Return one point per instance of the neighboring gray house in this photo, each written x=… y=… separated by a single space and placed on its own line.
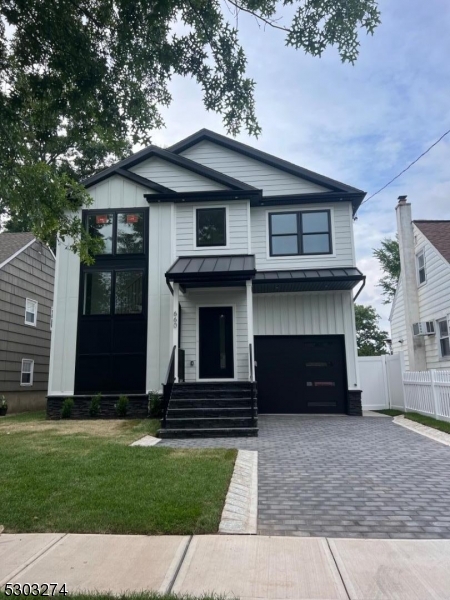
x=27 y=269
x=420 y=315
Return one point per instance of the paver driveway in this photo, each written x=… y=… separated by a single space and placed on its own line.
x=346 y=477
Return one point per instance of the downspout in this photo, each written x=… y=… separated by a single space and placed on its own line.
x=360 y=289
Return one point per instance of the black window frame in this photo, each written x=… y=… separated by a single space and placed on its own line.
x=300 y=234
x=211 y=208
x=114 y=255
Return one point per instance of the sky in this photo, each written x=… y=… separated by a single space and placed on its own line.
x=360 y=124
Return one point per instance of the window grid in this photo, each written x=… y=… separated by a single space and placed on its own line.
x=27 y=372
x=300 y=233
x=118 y=248
x=444 y=338
x=31 y=309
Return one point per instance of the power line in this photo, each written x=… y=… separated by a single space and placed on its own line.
x=408 y=167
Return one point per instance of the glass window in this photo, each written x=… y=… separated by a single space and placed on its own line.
x=211 y=227
x=444 y=338
x=97 y=293
x=299 y=233
x=128 y=292
x=101 y=226
x=130 y=233
x=26 y=375
x=421 y=273
x=31 y=309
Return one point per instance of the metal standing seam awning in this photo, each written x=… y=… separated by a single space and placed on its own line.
x=212 y=271
x=307 y=280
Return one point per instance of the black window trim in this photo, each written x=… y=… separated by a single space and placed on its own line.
x=210 y=208
x=112 y=299
x=300 y=233
x=115 y=212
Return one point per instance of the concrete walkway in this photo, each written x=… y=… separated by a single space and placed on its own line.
x=245 y=567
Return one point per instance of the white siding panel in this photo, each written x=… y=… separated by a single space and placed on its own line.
x=237 y=229
x=65 y=320
x=434 y=296
x=343 y=254
x=174 y=177
x=310 y=314
x=160 y=303
x=118 y=192
x=189 y=326
x=273 y=181
x=398 y=326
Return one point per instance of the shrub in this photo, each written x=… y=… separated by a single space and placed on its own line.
x=155 y=407
x=67 y=407
x=94 y=409
x=122 y=406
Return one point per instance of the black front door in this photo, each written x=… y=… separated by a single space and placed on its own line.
x=216 y=343
x=300 y=374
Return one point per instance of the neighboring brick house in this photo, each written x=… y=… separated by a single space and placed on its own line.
x=27 y=269
x=420 y=314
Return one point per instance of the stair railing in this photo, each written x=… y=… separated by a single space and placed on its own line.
x=168 y=385
x=252 y=382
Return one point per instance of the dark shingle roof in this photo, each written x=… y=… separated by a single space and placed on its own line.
x=10 y=243
x=438 y=232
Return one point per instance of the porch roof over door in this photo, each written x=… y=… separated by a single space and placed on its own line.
x=306 y=280
x=210 y=271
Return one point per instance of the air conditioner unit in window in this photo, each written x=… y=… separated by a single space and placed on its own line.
x=424 y=328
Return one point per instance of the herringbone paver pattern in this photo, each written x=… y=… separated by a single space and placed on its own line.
x=346 y=477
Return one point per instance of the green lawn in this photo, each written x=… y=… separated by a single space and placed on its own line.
x=429 y=421
x=83 y=477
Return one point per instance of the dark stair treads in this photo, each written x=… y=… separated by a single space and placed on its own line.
x=209 y=423
x=211 y=412
x=205 y=433
x=210 y=403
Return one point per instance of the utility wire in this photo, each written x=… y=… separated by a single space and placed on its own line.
x=408 y=167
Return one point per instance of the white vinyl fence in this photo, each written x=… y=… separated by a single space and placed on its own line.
x=381 y=381
x=428 y=393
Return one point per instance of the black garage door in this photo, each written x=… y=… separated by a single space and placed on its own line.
x=300 y=374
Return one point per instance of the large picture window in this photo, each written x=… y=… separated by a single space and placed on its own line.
x=121 y=232
x=299 y=233
x=125 y=286
x=211 y=227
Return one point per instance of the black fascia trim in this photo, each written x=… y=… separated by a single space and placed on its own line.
x=279 y=163
x=178 y=197
x=185 y=278
x=354 y=278
x=161 y=189
x=293 y=199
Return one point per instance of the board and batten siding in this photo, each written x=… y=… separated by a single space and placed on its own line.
x=398 y=326
x=342 y=238
x=237 y=229
x=434 y=297
x=190 y=302
x=273 y=181
x=174 y=177
x=326 y=313
x=28 y=275
x=118 y=192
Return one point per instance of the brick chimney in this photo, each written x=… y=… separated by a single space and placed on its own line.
x=416 y=345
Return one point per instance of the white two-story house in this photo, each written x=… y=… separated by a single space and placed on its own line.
x=227 y=275
x=420 y=313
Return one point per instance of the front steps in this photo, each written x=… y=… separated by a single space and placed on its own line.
x=210 y=410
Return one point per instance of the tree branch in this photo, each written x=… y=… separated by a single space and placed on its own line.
x=263 y=19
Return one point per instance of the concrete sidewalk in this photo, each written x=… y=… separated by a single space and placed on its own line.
x=247 y=567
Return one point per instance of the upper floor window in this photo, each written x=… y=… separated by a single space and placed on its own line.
x=444 y=338
x=31 y=310
x=299 y=233
x=421 y=271
x=211 y=227
x=121 y=232
x=27 y=371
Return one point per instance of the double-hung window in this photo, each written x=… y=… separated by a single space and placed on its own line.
x=211 y=227
x=31 y=310
x=26 y=374
x=421 y=270
x=300 y=233
x=444 y=338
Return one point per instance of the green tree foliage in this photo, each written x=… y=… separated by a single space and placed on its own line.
x=82 y=81
x=389 y=256
x=371 y=340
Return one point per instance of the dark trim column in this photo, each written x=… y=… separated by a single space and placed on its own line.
x=354 y=405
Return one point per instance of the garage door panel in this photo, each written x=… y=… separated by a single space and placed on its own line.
x=300 y=374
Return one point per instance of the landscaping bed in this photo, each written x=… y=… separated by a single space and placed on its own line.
x=83 y=477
